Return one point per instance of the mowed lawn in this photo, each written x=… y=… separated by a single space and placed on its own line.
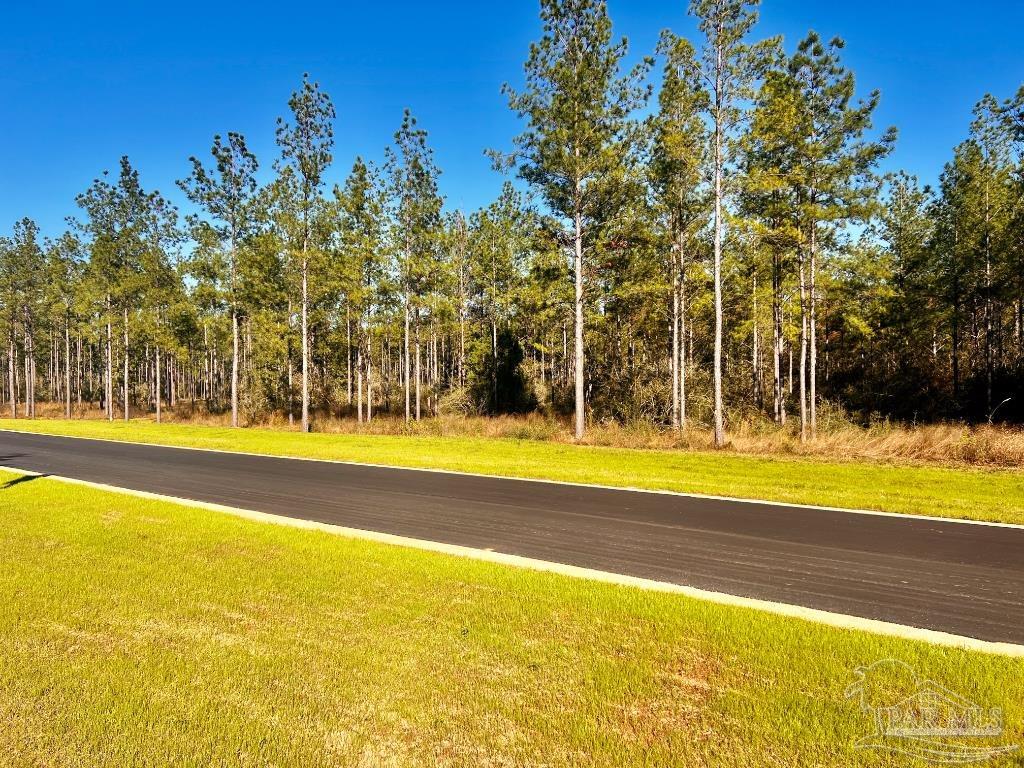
x=137 y=632
x=977 y=494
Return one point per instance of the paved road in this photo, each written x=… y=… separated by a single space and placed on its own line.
x=965 y=579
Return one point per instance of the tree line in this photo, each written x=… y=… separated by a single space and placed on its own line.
x=719 y=247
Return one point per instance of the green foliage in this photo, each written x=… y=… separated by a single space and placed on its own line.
x=227 y=193
x=576 y=104
x=712 y=244
x=497 y=382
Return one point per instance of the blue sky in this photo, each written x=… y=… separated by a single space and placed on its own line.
x=81 y=84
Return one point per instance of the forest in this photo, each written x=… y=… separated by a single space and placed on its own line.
x=703 y=238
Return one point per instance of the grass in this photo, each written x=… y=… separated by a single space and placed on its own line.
x=958 y=492
x=751 y=434
x=146 y=633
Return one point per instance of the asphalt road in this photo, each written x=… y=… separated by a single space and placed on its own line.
x=964 y=579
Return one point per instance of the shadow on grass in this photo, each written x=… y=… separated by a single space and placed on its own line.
x=20 y=480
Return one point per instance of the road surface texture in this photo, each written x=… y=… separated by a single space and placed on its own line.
x=959 y=578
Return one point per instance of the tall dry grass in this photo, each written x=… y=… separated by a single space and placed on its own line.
x=838 y=439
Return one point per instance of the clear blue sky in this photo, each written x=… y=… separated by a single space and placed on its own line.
x=83 y=83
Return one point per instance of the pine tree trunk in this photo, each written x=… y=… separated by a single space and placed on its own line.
x=28 y=379
x=234 y=366
x=494 y=360
x=581 y=416
x=462 y=341
x=126 y=364
x=369 y=381
x=305 y=337
x=30 y=373
x=12 y=364
x=78 y=371
x=359 y=383
x=777 y=342
x=67 y=370
x=32 y=367
x=565 y=354
x=431 y=370
x=683 y=346
x=675 y=330
x=955 y=334
x=803 y=351
x=108 y=385
x=719 y=415
x=52 y=366
x=93 y=354
x=417 y=367
x=17 y=382
x=405 y=364
x=348 y=355
x=989 y=364
x=789 y=348
x=813 y=334
x=156 y=382
x=204 y=390
x=756 y=351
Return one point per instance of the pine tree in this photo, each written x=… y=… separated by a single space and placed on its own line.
x=1013 y=112
x=161 y=285
x=994 y=180
x=361 y=226
x=64 y=269
x=457 y=246
x=677 y=169
x=839 y=187
x=416 y=219
x=577 y=105
x=729 y=68
x=306 y=146
x=975 y=251
x=227 y=194
x=910 y=323
x=24 y=275
x=770 y=193
x=118 y=217
x=9 y=297
x=501 y=236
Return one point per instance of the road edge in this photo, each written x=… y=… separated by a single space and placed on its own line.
x=814 y=615
x=460 y=473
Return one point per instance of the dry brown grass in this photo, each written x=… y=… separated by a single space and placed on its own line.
x=945 y=444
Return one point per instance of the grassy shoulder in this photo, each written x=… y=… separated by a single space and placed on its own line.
x=976 y=494
x=143 y=632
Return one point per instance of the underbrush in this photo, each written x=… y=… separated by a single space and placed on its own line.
x=838 y=437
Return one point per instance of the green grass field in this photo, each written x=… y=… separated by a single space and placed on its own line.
x=977 y=494
x=136 y=632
